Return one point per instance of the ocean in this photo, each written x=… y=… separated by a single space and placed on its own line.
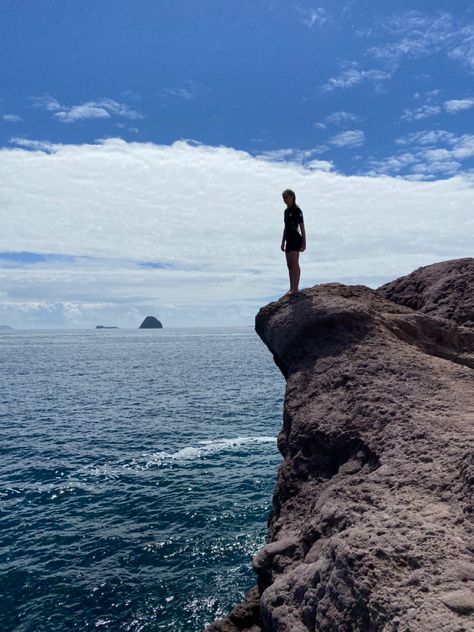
x=136 y=476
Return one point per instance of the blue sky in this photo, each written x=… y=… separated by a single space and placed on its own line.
x=227 y=103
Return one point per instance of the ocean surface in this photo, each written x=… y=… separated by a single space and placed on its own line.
x=136 y=476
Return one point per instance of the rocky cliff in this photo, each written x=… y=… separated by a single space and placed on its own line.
x=372 y=519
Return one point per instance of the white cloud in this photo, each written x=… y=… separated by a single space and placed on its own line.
x=183 y=93
x=338 y=118
x=47 y=102
x=436 y=155
x=427 y=154
x=40 y=145
x=321 y=165
x=298 y=156
x=214 y=216
x=351 y=138
x=81 y=112
x=351 y=77
x=417 y=34
x=187 y=91
x=133 y=130
x=427 y=137
x=457 y=105
x=101 y=109
x=431 y=94
x=464 y=147
x=312 y=16
x=11 y=118
x=433 y=167
x=119 y=109
x=425 y=111
x=464 y=50
x=394 y=164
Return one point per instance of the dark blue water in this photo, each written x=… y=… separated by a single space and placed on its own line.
x=136 y=475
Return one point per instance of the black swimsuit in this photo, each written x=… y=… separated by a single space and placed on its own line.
x=293 y=218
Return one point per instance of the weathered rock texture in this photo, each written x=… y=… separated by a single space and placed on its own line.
x=444 y=289
x=371 y=527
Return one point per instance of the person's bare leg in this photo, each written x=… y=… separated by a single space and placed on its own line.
x=288 y=263
x=297 y=272
x=293 y=270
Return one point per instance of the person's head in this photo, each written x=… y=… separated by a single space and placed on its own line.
x=289 y=197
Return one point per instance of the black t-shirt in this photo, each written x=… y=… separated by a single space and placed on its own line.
x=293 y=218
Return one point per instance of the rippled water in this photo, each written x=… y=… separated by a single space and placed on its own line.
x=136 y=474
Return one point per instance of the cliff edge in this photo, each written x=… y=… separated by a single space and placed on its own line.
x=372 y=520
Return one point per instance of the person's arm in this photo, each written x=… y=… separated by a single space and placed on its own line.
x=303 y=234
x=283 y=239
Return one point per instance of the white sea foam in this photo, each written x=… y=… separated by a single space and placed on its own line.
x=205 y=448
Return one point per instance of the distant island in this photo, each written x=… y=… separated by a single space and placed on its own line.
x=105 y=327
x=151 y=322
x=5 y=327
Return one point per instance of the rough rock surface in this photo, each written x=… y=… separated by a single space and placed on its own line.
x=372 y=520
x=443 y=289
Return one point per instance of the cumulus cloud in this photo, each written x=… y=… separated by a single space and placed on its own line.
x=11 y=118
x=81 y=112
x=464 y=147
x=457 y=105
x=210 y=220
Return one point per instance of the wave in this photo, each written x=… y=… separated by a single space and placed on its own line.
x=205 y=448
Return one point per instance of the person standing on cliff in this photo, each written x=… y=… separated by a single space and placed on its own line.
x=293 y=241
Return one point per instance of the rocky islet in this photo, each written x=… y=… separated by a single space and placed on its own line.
x=151 y=322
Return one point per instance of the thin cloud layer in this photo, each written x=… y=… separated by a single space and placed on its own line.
x=193 y=232
x=350 y=138
x=313 y=16
x=432 y=153
x=424 y=111
x=417 y=34
x=351 y=77
x=101 y=109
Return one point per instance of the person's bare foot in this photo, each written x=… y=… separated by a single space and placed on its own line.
x=291 y=293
